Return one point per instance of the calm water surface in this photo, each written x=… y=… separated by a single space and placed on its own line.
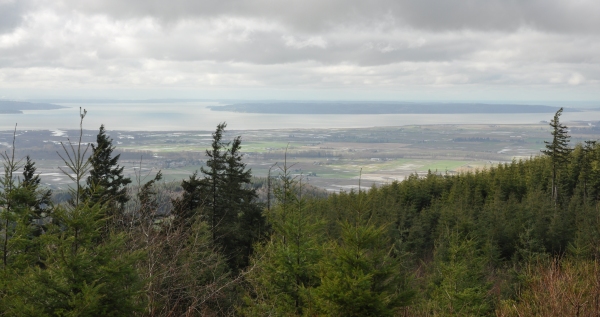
x=196 y=116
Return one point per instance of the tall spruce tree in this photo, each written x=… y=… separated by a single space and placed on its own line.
x=224 y=198
x=248 y=222
x=213 y=184
x=106 y=182
x=558 y=150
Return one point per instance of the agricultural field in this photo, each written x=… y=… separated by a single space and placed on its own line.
x=334 y=159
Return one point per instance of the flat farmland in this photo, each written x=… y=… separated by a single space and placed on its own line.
x=334 y=159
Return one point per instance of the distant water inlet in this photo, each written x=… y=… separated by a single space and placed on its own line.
x=198 y=116
x=57 y=132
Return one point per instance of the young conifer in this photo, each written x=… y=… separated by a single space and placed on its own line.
x=359 y=274
x=7 y=204
x=38 y=200
x=558 y=149
x=285 y=270
x=458 y=284
x=106 y=182
x=79 y=273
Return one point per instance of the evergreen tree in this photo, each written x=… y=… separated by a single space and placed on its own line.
x=213 y=184
x=76 y=164
x=18 y=202
x=80 y=274
x=39 y=200
x=247 y=222
x=586 y=168
x=225 y=199
x=558 y=150
x=458 y=285
x=359 y=275
x=188 y=204
x=8 y=213
x=147 y=197
x=594 y=172
x=106 y=183
x=285 y=269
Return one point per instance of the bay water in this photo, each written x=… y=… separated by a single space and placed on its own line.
x=197 y=116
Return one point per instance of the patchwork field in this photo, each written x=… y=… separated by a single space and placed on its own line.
x=334 y=159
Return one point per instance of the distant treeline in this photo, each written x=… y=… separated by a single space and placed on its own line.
x=475 y=139
x=308 y=154
x=381 y=108
x=593 y=128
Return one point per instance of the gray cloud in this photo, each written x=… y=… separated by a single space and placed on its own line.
x=335 y=45
x=11 y=14
x=317 y=15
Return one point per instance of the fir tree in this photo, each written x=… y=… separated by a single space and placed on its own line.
x=7 y=200
x=80 y=273
x=77 y=166
x=359 y=275
x=285 y=269
x=17 y=210
x=214 y=181
x=586 y=169
x=225 y=199
x=106 y=182
x=39 y=200
x=187 y=205
x=558 y=150
x=147 y=197
x=458 y=285
x=246 y=223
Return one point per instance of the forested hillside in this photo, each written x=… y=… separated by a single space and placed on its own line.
x=517 y=239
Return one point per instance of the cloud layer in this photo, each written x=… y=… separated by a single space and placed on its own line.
x=549 y=47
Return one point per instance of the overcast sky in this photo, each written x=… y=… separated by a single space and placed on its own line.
x=301 y=49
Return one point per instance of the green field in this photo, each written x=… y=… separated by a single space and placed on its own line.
x=335 y=156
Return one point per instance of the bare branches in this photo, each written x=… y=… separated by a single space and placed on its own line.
x=8 y=183
x=77 y=165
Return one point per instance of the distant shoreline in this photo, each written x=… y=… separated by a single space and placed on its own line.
x=383 y=108
x=17 y=107
x=192 y=117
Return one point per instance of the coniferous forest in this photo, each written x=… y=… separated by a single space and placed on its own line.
x=516 y=239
